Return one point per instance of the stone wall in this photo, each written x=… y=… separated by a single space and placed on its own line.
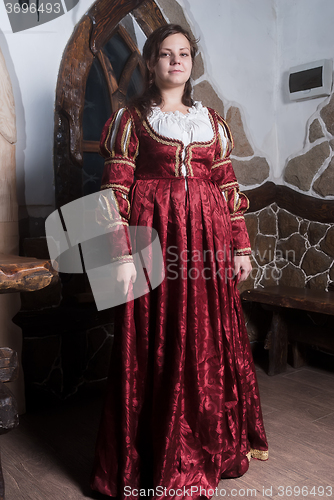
x=289 y=250
x=312 y=170
x=250 y=168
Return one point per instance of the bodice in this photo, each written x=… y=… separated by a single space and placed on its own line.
x=134 y=152
x=162 y=156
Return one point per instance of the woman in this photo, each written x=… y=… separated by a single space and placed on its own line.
x=183 y=407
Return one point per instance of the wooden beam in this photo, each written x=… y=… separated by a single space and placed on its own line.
x=292 y=297
x=299 y=204
x=149 y=16
x=105 y=16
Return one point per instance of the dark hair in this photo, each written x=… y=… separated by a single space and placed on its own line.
x=151 y=93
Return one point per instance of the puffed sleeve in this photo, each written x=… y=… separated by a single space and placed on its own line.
x=119 y=146
x=223 y=174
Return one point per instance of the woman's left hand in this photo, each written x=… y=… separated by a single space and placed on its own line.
x=242 y=267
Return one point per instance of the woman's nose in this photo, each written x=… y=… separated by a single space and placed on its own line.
x=176 y=59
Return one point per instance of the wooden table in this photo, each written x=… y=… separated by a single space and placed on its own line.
x=25 y=274
x=277 y=298
x=17 y=274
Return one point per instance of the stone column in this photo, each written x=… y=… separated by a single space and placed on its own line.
x=10 y=334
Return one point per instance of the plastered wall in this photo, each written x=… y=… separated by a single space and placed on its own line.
x=247 y=47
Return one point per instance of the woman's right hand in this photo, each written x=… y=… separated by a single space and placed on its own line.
x=125 y=273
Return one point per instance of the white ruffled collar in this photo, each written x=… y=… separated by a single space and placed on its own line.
x=196 y=118
x=195 y=109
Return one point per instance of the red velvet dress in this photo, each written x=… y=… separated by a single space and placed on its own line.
x=182 y=407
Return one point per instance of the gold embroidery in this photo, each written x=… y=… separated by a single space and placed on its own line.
x=168 y=142
x=236 y=217
x=118 y=223
x=221 y=145
x=238 y=202
x=237 y=196
x=199 y=144
x=246 y=198
x=230 y=137
x=249 y=456
x=127 y=258
x=126 y=135
x=118 y=187
x=122 y=161
x=220 y=163
x=116 y=202
x=107 y=202
x=229 y=185
x=187 y=161
x=128 y=203
x=108 y=134
x=259 y=454
x=238 y=250
x=234 y=200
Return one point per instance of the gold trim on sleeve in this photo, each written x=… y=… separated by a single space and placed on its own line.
x=237 y=217
x=229 y=134
x=126 y=136
x=247 y=199
x=117 y=187
x=228 y=185
x=220 y=163
x=107 y=141
x=120 y=160
x=126 y=258
x=238 y=203
x=118 y=223
x=247 y=249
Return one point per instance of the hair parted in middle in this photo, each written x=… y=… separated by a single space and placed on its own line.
x=151 y=95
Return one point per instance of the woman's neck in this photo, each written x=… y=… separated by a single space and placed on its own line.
x=172 y=101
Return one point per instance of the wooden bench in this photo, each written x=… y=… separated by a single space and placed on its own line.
x=278 y=299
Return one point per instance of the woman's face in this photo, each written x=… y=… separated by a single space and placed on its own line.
x=174 y=65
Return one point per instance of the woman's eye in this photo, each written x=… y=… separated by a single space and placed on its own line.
x=164 y=54
x=185 y=54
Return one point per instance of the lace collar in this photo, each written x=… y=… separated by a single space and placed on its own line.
x=196 y=109
x=196 y=118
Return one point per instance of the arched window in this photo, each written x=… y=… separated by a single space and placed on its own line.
x=115 y=75
x=101 y=68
